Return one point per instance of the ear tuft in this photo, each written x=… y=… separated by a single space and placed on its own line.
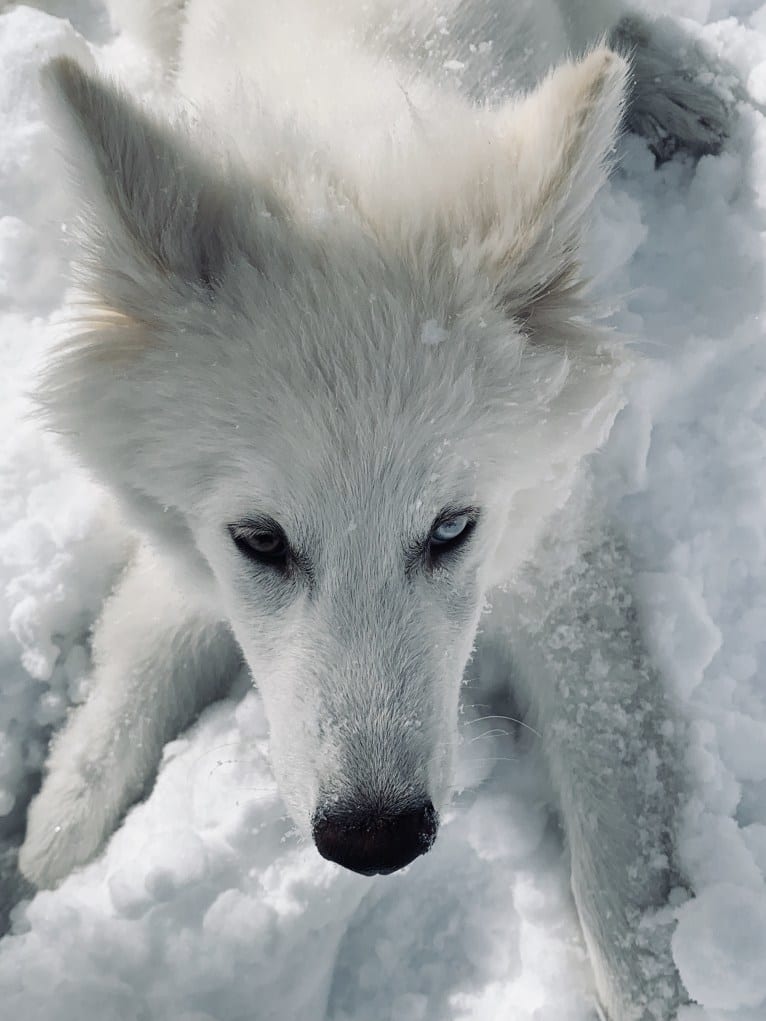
x=601 y=71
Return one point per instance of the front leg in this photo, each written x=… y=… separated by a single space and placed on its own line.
x=610 y=742
x=158 y=658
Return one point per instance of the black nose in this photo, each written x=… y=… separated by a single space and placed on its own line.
x=374 y=841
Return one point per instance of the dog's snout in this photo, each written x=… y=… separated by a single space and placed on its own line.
x=375 y=842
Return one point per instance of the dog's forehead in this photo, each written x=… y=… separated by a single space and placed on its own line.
x=381 y=385
x=360 y=322
x=350 y=398
x=346 y=469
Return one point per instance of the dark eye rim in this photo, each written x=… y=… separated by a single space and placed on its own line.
x=241 y=532
x=438 y=549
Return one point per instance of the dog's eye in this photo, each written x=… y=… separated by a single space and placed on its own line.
x=450 y=532
x=262 y=543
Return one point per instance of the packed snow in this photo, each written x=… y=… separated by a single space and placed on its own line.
x=205 y=906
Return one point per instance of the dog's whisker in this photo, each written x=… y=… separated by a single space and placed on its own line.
x=496 y=758
x=510 y=719
x=489 y=733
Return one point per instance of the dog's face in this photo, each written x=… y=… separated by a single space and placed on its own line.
x=351 y=535
x=352 y=425
x=352 y=573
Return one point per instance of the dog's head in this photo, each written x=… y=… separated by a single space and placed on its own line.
x=350 y=403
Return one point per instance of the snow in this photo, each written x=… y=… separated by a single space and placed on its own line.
x=205 y=906
x=720 y=946
x=432 y=333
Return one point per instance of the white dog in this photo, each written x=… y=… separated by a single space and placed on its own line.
x=334 y=360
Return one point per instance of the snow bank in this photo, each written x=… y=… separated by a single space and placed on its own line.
x=58 y=550
x=205 y=906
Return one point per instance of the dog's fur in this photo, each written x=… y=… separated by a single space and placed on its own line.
x=340 y=287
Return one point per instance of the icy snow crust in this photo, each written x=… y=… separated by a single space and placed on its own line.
x=205 y=907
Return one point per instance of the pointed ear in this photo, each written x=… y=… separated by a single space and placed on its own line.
x=153 y=215
x=555 y=150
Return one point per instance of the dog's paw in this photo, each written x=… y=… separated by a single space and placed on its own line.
x=674 y=103
x=65 y=828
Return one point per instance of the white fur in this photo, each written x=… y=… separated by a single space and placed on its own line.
x=257 y=269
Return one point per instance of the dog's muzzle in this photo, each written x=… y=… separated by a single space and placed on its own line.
x=374 y=842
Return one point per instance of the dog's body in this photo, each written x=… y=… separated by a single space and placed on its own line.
x=336 y=366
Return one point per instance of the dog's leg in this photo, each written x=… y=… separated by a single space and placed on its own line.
x=157 y=660
x=609 y=738
x=672 y=103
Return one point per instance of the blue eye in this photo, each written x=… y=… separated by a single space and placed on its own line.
x=448 y=533
x=450 y=530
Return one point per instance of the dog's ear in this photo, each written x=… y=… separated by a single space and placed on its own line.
x=559 y=142
x=152 y=214
x=519 y=189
